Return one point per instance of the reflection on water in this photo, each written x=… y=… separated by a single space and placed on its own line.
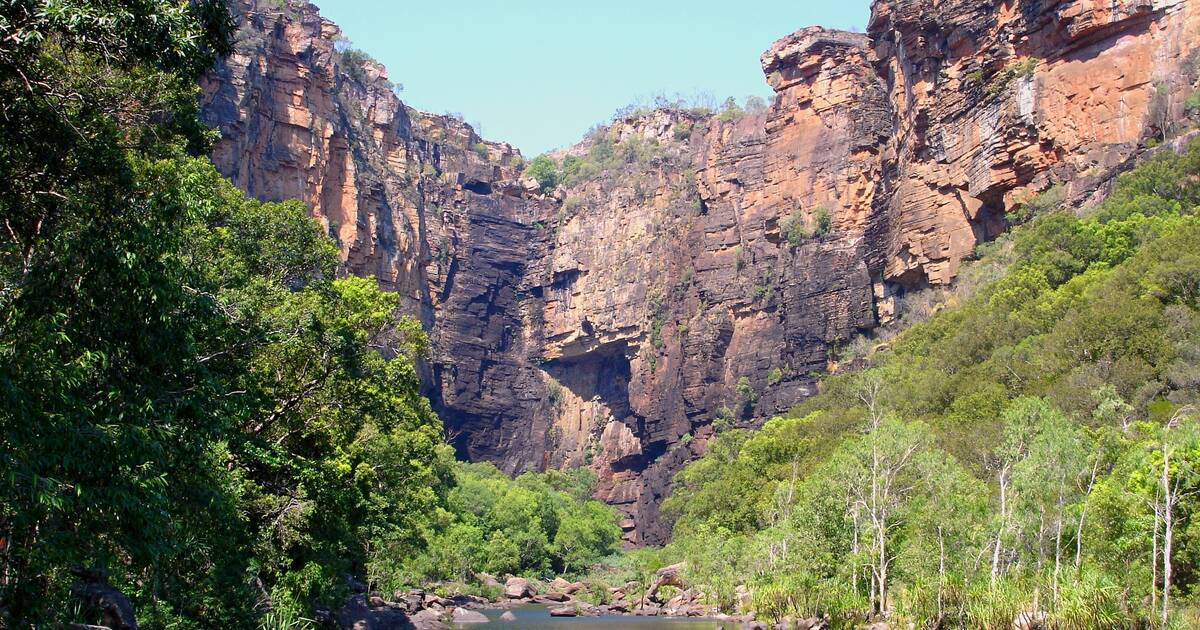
x=534 y=617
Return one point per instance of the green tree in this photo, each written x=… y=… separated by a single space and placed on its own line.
x=543 y=170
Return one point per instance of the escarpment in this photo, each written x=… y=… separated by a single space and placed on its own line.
x=695 y=270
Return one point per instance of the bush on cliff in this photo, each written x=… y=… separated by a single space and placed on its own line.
x=543 y=170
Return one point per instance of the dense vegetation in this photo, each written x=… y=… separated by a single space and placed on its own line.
x=1031 y=448
x=194 y=405
x=192 y=402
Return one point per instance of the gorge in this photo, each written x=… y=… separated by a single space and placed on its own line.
x=683 y=277
x=915 y=344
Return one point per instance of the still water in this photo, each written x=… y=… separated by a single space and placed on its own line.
x=535 y=617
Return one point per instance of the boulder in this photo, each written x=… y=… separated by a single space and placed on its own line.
x=508 y=616
x=518 y=588
x=560 y=585
x=95 y=595
x=619 y=606
x=488 y=580
x=667 y=576
x=357 y=614
x=556 y=597
x=743 y=597
x=531 y=185
x=376 y=601
x=466 y=615
x=424 y=620
x=564 y=611
x=574 y=587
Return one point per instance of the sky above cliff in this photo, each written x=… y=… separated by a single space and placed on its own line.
x=540 y=74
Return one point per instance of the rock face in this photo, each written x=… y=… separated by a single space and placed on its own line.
x=696 y=268
x=995 y=101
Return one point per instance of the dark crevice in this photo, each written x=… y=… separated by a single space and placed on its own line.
x=478 y=187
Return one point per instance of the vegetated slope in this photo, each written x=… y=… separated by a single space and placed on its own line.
x=203 y=424
x=696 y=266
x=1005 y=456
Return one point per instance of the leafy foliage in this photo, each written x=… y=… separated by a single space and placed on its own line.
x=192 y=402
x=544 y=170
x=538 y=525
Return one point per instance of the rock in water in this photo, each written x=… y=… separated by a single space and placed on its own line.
x=564 y=611
x=518 y=588
x=463 y=615
x=508 y=616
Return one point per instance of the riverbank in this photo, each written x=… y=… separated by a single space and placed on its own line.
x=560 y=599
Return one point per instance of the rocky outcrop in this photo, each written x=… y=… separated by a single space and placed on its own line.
x=696 y=269
x=995 y=102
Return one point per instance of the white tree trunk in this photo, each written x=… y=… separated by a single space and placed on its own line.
x=1168 y=530
x=941 y=572
x=1154 y=562
x=1082 y=515
x=1003 y=524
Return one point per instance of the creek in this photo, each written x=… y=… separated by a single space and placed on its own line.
x=537 y=617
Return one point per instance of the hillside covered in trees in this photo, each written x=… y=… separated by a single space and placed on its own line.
x=1032 y=448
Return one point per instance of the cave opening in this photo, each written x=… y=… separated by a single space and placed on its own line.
x=478 y=187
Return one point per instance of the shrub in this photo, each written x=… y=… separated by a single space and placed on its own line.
x=573 y=203
x=1192 y=104
x=354 y=62
x=746 y=393
x=824 y=222
x=730 y=110
x=797 y=228
x=1044 y=201
x=571 y=168
x=555 y=394
x=774 y=376
x=754 y=105
x=543 y=169
x=1018 y=70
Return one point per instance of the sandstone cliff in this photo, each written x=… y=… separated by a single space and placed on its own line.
x=696 y=268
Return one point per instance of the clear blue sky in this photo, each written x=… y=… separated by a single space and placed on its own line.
x=538 y=74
